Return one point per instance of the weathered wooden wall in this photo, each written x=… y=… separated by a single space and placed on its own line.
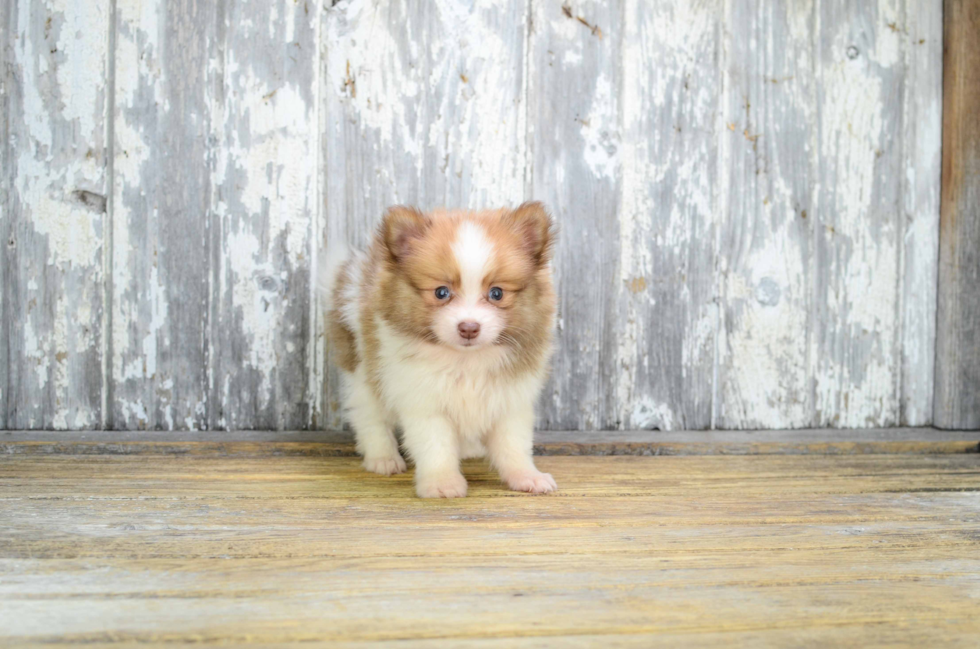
x=748 y=193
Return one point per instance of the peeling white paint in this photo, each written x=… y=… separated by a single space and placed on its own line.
x=56 y=138
x=572 y=57
x=825 y=319
x=145 y=300
x=81 y=79
x=137 y=51
x=43 y=182
x=380 y=72
x=158 y=317
x=361 y=75
x=135 y=412
x=656 y=237
x=856 y=382
x=889 y=31
x=600 y=131
x=645 y=414
x=922 y=158
x=259 y=308
x=34 y=351
x=266 y=179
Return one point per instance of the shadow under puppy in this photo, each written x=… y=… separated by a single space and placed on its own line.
x=444 y=328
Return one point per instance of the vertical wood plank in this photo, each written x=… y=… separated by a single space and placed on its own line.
x=266 y=130
x=921 y=167
x=575 y=137
x=6 y=178
x=666 y=324
x=958 y=335
x=766 y=375
x=623 y=110
x=855 y=352
x=422 y=104
x=766 y=244
x=161 y=260
x=54 y=76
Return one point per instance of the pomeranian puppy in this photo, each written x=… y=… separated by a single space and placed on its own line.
x=444 y=329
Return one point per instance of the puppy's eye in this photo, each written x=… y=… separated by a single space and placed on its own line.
x=442 y=293
x=496 y=294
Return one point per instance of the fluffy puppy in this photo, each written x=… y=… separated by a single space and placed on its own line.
x=444 y=328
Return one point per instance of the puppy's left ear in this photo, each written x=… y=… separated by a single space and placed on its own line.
x=531 y=222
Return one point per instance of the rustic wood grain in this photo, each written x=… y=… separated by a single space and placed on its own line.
x=958 y=336
x=794 y=257
x=858 y=223
x=54 y=212
x=252 y=549
x=422 y=104
x=747 y=195
x=6 y=54
x=264 y=203
x=766 y=244
x=921 y=167
x=574 y=140
x=161 y=260
x=665 y=327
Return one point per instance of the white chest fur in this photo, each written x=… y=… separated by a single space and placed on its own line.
x=470 y=388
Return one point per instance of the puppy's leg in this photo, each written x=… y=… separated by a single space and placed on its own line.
x=375 y=441
x=434 y=447
x=509 y=445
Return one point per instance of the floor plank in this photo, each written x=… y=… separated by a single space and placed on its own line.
x=248 y=547
x=922 y=440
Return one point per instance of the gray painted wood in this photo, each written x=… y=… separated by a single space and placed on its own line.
x=666 y=326
x=265 y=129
x=6 y=177
x=622 y=134
x=747 y=194
x=828 y=262
x=161 y=262
x=857 y=221
x=921 y=167
x=958 y=337
x=574 y=139
x=423 y=105
x=766 y=242
x=53 y=220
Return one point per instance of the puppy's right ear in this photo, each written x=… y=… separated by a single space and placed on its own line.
x=401 y=228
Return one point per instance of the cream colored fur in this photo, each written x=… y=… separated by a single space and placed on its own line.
x=450 y=402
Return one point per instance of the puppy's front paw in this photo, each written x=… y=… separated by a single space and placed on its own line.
x=443 y=485
x=385 y=464
x=533 y=482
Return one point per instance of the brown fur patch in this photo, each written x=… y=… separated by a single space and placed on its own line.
x=412 y=255
x=523 y=240
x=407 y=283
x=401 y=227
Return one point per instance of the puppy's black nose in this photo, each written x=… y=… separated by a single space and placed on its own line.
x=469 y=330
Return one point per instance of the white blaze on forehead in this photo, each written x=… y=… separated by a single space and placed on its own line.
x=473 y=251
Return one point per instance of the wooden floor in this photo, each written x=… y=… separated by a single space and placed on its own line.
x=243 y=544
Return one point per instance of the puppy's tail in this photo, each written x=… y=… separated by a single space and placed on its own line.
x=331 y=264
